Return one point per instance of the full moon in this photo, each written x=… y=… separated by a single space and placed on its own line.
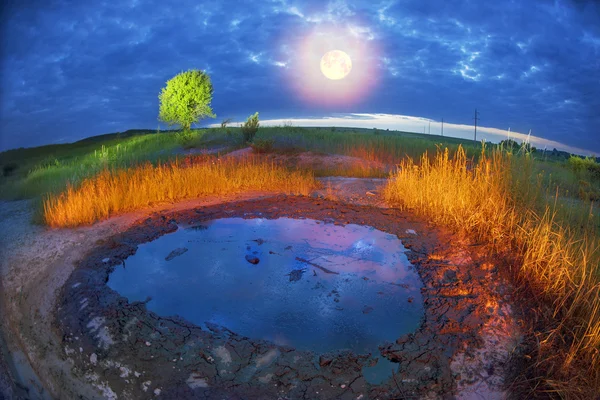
x=336 y=64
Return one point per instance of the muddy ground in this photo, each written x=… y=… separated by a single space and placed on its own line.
x=82 y=340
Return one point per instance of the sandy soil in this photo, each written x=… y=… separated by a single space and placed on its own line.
x=46 y=362
x=314 y=161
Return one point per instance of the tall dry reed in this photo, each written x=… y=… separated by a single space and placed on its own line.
x=121 y=190
x=500 y=202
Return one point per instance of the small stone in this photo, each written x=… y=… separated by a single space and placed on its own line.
x=296 y=274
x=411 y=299
x=324 y=361
x=450 y=275
x=148 y=343
x=157 y=392
x=94 y=359
x=105 y=260
x=252 y=259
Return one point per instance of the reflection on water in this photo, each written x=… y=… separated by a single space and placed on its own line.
x=301 y=283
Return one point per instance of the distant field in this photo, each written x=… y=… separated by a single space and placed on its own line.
x=30 y=172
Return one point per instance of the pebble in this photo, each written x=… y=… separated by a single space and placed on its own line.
x=252 y=259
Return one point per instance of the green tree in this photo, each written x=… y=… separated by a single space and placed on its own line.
x=186 y=99
x=509 y=145
x=250 y=127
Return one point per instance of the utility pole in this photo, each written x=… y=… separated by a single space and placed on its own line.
x=442 y=127
x=476 y=118
x=429 y=128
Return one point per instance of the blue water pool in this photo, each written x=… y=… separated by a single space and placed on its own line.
x=297 y=282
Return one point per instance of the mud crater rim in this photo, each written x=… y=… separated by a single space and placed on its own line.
x=100 y=320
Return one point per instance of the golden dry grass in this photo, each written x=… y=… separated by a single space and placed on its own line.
x=117 y=191
x=496 y=201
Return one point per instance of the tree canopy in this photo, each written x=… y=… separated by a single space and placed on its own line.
x=186 y=99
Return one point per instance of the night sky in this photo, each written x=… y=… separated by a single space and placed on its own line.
x=73 y=69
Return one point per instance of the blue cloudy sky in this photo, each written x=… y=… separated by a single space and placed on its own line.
x=72 y=69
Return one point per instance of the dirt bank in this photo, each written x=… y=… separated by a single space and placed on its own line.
x=84 y=339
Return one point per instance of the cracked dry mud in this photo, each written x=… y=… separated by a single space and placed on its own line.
x=100 y=345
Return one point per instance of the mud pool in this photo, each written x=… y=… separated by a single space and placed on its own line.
x=295 y=282
x=119 y=341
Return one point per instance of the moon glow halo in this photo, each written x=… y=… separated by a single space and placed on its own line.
x=335 y=68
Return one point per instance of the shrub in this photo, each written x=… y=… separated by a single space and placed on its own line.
x=263 y=145
x=8 y=169
x=250 y=127
x=589 y=164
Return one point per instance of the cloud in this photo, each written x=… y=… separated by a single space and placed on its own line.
x=75 y=69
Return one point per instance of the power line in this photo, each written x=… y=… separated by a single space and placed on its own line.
x=476 y=118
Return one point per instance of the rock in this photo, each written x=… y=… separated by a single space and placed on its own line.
x=450 y=275
x=177 y=252
x=252 y=259
x=324 y=361
x=296 y=274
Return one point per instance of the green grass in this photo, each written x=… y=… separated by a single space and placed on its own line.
x=35 y=171
x=48 y=168
x=39 y=170
x=385 y=146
